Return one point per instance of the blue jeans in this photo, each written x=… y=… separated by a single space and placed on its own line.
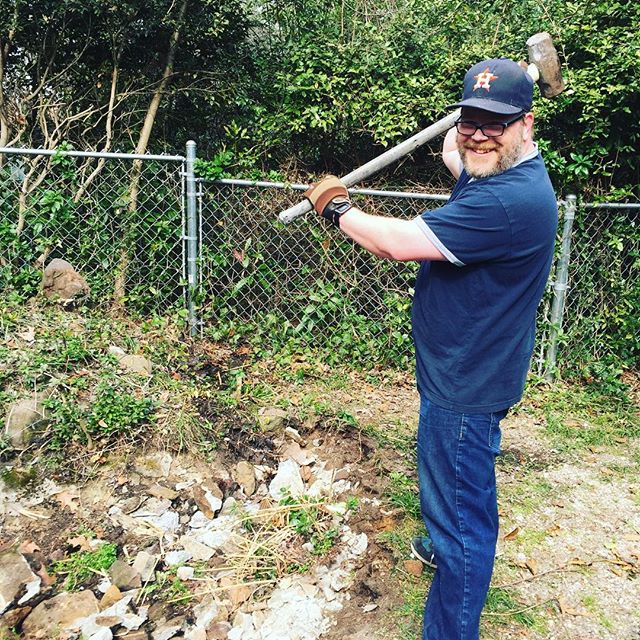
x=456 y=459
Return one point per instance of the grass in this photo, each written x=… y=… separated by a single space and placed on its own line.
x=502 y=609
x=580 y=417
x=403 y=493
x=84 y=564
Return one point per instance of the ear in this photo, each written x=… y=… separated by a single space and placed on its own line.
x=527 y=130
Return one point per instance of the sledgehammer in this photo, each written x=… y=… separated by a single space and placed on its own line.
x=543 y=67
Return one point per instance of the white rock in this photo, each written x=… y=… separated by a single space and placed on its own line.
x=198 y=520
x=185 y=573
x=165 y=632
x=145 y=565
x=287 y=479
x=154 y=465
x=104 y=633
x=177 y=557
x=197 y=549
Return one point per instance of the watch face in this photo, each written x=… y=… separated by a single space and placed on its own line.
x=341 y=204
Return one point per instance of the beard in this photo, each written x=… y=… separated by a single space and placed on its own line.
x=507 y=157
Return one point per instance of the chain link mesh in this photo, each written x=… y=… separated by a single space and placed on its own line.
x=303 y=280
x=602 y=308
x=305 y=277
x=308 y=279
x=117 y=221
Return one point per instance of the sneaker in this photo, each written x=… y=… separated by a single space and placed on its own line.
x=422 y=550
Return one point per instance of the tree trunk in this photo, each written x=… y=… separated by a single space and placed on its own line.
x=119 y=288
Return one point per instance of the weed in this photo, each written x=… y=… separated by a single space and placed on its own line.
x=403 y=493
x=581 y=417
x=81 y=565
x=502 y=609
x=323 y=541
x=352 y=503
x=167 y=587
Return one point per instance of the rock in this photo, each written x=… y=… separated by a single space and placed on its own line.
x=63 y=283
x=206 y=612
x=174 y=558
x=110 y=597
x=158 y=491
x=198 y=550
x=154 y=465
x=124 y=576
x=136 y=364
x=167 y=629
x=185 y=573
x=414 y=567
x=196 y=633
x=271 y=418
x=301 y=456
x=21 y=417
x=218 y=631
x=207 y=502
x=294 y=434
x=116 y=615
x=17 y=581
x=139 y=634
x=245 y=476
x=12 y=619
x=145 y=565
x=60 y=612
x=102 y=634
x=287 y=480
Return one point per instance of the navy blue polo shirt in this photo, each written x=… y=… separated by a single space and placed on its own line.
x=473 y=316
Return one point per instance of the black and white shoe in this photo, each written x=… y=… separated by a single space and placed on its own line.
x=422 y=550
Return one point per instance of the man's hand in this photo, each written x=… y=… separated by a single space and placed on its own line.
x=329 y=198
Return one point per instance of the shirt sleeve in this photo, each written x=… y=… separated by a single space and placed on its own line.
x=472 y=228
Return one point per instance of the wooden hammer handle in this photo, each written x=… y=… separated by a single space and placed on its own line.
x=373 y=166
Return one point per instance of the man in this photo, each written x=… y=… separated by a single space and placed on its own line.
x=485 y=258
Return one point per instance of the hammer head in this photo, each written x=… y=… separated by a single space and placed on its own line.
x=544 y=56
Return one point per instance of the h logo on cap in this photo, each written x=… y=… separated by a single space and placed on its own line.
x=483 y=80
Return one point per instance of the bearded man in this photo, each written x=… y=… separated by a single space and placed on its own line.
x=485 y=258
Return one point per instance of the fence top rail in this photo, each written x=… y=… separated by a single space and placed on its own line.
x=393 y=194
x=610 y=205
x=303 y=187
x=17 y=151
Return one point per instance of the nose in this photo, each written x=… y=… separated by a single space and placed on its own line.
x=478 y=136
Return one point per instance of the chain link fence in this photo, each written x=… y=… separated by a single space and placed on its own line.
x=602 y=311
x=304 y=279
x=307 y=280
x=144 y=233
x=117 y=218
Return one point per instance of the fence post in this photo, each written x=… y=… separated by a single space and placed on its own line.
x=560 y=287
x=191 y=238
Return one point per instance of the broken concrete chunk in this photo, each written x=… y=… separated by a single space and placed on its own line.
x=245 y=476
x=145 y=565
x=287 y=481
x=60 y=612
x=16 y=578
x=124 y=576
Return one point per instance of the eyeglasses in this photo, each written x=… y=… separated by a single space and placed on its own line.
x=489 y=130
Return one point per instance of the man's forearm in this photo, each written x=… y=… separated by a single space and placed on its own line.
x=390 y=238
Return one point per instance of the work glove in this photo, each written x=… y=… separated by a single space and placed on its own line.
x=329 y=198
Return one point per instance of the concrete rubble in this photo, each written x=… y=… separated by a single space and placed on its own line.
x=189 y=524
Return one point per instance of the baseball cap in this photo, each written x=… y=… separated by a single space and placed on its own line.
x=498 y=85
